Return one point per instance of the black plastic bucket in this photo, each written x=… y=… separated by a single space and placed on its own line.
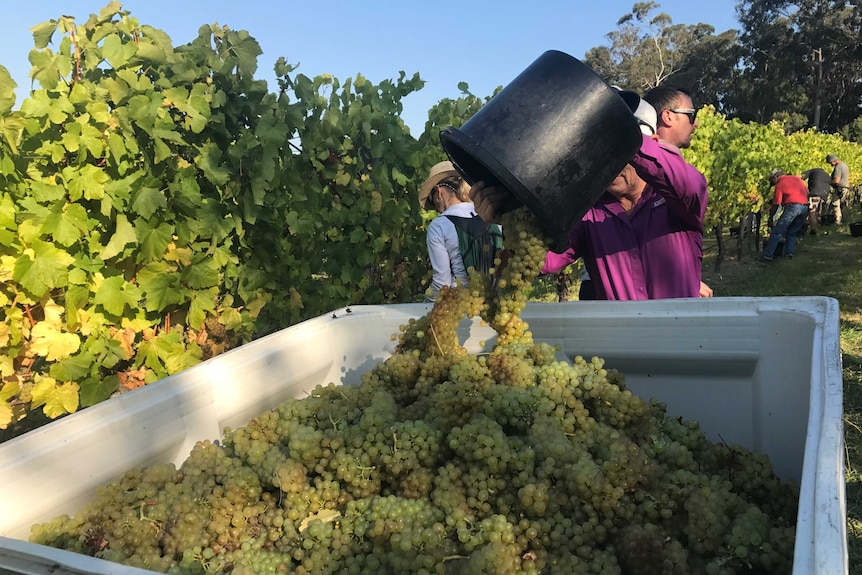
x=555 y=137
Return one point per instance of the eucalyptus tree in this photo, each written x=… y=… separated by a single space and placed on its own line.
x=801 y=57
x=648 y=49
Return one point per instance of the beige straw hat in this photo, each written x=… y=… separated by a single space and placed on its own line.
x=439 y=172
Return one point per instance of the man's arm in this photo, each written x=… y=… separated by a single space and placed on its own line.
x=772 y=211
x=555 y=262
x=835 y=178
x=671 y=176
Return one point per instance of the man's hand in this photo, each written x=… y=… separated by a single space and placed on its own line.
x=492 y=202
x=705 y=290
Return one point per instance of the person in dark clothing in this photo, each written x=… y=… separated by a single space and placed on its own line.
x=818 y=191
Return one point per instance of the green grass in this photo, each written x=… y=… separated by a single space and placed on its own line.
x=825 y=265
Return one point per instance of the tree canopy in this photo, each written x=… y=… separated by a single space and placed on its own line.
x=799 y=62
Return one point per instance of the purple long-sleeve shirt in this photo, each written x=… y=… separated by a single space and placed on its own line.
x=654 y=252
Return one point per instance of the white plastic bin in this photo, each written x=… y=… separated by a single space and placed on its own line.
x=764 y=373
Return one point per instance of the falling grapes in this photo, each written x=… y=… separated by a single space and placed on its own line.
x=444 y=462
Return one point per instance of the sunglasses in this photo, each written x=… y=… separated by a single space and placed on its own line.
x=690 y=112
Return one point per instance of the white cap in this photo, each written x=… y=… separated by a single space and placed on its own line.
x=642 y=110
x=647 y=118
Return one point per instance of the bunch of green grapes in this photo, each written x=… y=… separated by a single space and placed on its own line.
x=525 y=249
x=444 y=462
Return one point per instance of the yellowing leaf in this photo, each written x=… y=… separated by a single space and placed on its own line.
x=4 y=335
x=324 y=516
x=7 y=366
x=10 y=389
x=342 y=179
x=295 y=298
x=376 y=201
x=53 y=313
x=57 y=399
x=123 y=236
x=5 y=415
x=51 y=343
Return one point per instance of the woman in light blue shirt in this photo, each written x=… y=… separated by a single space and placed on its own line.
x=446 y=193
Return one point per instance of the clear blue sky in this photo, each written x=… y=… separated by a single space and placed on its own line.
x=485 y=43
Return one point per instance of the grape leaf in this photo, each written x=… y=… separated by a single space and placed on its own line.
x=209 y=160
x=42 y=33
x=10 y=389
x=161 y=286
x=151 y=53
x=153 y=240
x=7 y=213
x=202 y=302
x=147 y=200
x=399 y=178
x=53 y=314
x=7 y=91
x=57 y=399
x=7 y=365
x=40 y=105
x=67 y=225
x=342 y=179
x=246 y=49
x=51 y=343
x=87 y=182
x=5 y=415
x=94 y=390
x=42 y=268
x=73 y=368
x=230 y=318
x=117 y=52
x=123 y=236
x=202 y=273
x=324 y=516
x=167 y=354
x=115 y=293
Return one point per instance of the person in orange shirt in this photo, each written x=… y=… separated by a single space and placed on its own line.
x=791 y=194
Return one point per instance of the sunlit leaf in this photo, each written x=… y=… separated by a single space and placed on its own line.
x=7 y=91
x=51 y=343
x=72 y=368
x=42 y=268
x=123 y=236
x=117 y=52
x=57 y=399
x=115 y=293
x=42 y=33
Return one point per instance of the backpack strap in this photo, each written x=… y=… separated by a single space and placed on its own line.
x=474 y=225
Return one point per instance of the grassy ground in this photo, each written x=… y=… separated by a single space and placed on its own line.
x=827 y=265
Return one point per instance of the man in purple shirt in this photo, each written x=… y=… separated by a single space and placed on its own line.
x=643 y=238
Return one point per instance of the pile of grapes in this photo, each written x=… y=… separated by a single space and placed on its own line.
x=446 y=462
